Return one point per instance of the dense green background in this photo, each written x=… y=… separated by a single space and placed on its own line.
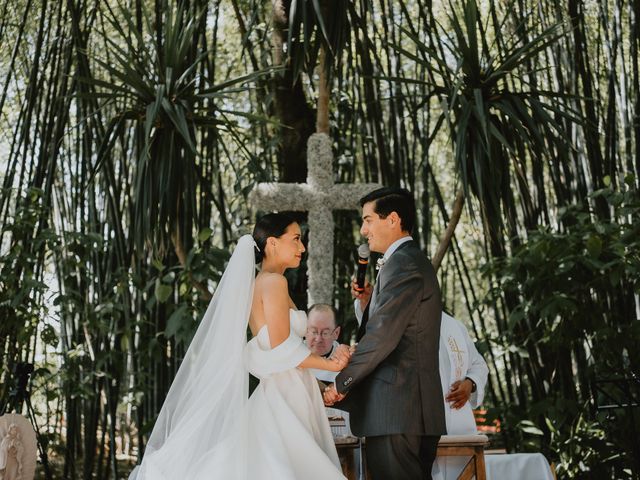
x=131 y=133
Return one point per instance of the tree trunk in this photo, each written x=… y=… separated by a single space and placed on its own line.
x=291 y=106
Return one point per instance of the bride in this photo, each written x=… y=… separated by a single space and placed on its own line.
x=207 y=427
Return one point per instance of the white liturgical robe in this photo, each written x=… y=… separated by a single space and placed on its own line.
x=326 y=376
x=460 y=359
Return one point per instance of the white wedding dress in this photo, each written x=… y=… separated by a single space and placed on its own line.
x=289 y=432
x=208 y=428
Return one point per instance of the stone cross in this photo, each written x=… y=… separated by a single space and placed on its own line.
x=319 y=196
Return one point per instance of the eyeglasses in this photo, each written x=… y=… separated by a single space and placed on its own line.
x=325 y=334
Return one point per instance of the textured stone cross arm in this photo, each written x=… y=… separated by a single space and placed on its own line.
x=320 y=196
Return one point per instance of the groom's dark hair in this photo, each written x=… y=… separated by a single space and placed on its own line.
x=399 y=200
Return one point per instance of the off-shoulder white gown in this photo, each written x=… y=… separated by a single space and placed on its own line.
x=289 y=433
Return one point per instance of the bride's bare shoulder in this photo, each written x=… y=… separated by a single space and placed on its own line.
x=271 y=283
x=270 y=291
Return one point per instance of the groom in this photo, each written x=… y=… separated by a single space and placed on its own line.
x=392 y=384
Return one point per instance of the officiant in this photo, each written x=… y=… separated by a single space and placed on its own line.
x=322 y=336
x=463 y=373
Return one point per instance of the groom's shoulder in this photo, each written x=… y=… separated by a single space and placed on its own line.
x=403 y=261
x=409 y=251
x=410 y=254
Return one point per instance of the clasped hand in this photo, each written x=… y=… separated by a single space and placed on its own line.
x=343 y=353
x=331 y=396
x=340 y=357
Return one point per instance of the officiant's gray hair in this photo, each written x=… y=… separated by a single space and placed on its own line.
x=325 y=307
x=269 y=225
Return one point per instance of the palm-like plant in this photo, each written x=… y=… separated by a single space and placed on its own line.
x=498 y=120
x=314 y=26
x=156 y=87
x=383 y=133
x=507 y=132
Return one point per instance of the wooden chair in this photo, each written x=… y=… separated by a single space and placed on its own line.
x=462 y=446
x=350 y=450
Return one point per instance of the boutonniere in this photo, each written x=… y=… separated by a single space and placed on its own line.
x=381 y=261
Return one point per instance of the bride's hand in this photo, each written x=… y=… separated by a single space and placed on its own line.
x=340 y=357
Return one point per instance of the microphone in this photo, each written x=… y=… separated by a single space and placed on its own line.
x=363 y=262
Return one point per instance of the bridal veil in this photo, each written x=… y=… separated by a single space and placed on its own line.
x=203 y=422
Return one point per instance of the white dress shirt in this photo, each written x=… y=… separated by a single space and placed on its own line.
x=392 y=248
x=326 y=376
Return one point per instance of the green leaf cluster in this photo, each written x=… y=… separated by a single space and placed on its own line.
x=575 y=323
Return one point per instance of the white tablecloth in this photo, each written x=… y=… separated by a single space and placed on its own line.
x=521 y=466
x=515 y=466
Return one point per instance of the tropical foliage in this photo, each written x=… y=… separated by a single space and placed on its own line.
x=132 y=131
x=575 y=326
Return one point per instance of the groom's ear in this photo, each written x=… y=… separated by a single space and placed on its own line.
x=395 y=220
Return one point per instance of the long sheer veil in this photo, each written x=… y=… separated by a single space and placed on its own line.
x=201 y=431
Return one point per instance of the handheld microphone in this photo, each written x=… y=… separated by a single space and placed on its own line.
x=363 y=262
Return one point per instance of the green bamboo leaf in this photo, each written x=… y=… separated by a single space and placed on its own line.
x=530 y=428
x=251 y=116
x=177 y=116
x=249 y=78
x=471 y=18
x=176 y=320
x=204 y=235
x=594 y=246
x=320 y=20
x=480 y=113
x=162 y=292
x=114 y=128
x=152 y=115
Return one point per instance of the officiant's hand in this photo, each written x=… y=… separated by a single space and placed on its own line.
x=363 y=295
x=459 y=393
x=331 y=396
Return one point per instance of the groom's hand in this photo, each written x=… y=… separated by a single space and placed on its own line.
x=363 y=295
x=331 y=396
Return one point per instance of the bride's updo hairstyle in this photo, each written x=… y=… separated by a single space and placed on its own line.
x=269 y=225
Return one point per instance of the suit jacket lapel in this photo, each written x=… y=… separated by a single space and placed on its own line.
x=363 y=324
x=365 y=315
x=376 y=288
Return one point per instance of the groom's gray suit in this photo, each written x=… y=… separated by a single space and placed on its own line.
x=393 y=380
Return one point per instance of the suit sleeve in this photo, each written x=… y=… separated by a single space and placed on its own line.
x=396 y=302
